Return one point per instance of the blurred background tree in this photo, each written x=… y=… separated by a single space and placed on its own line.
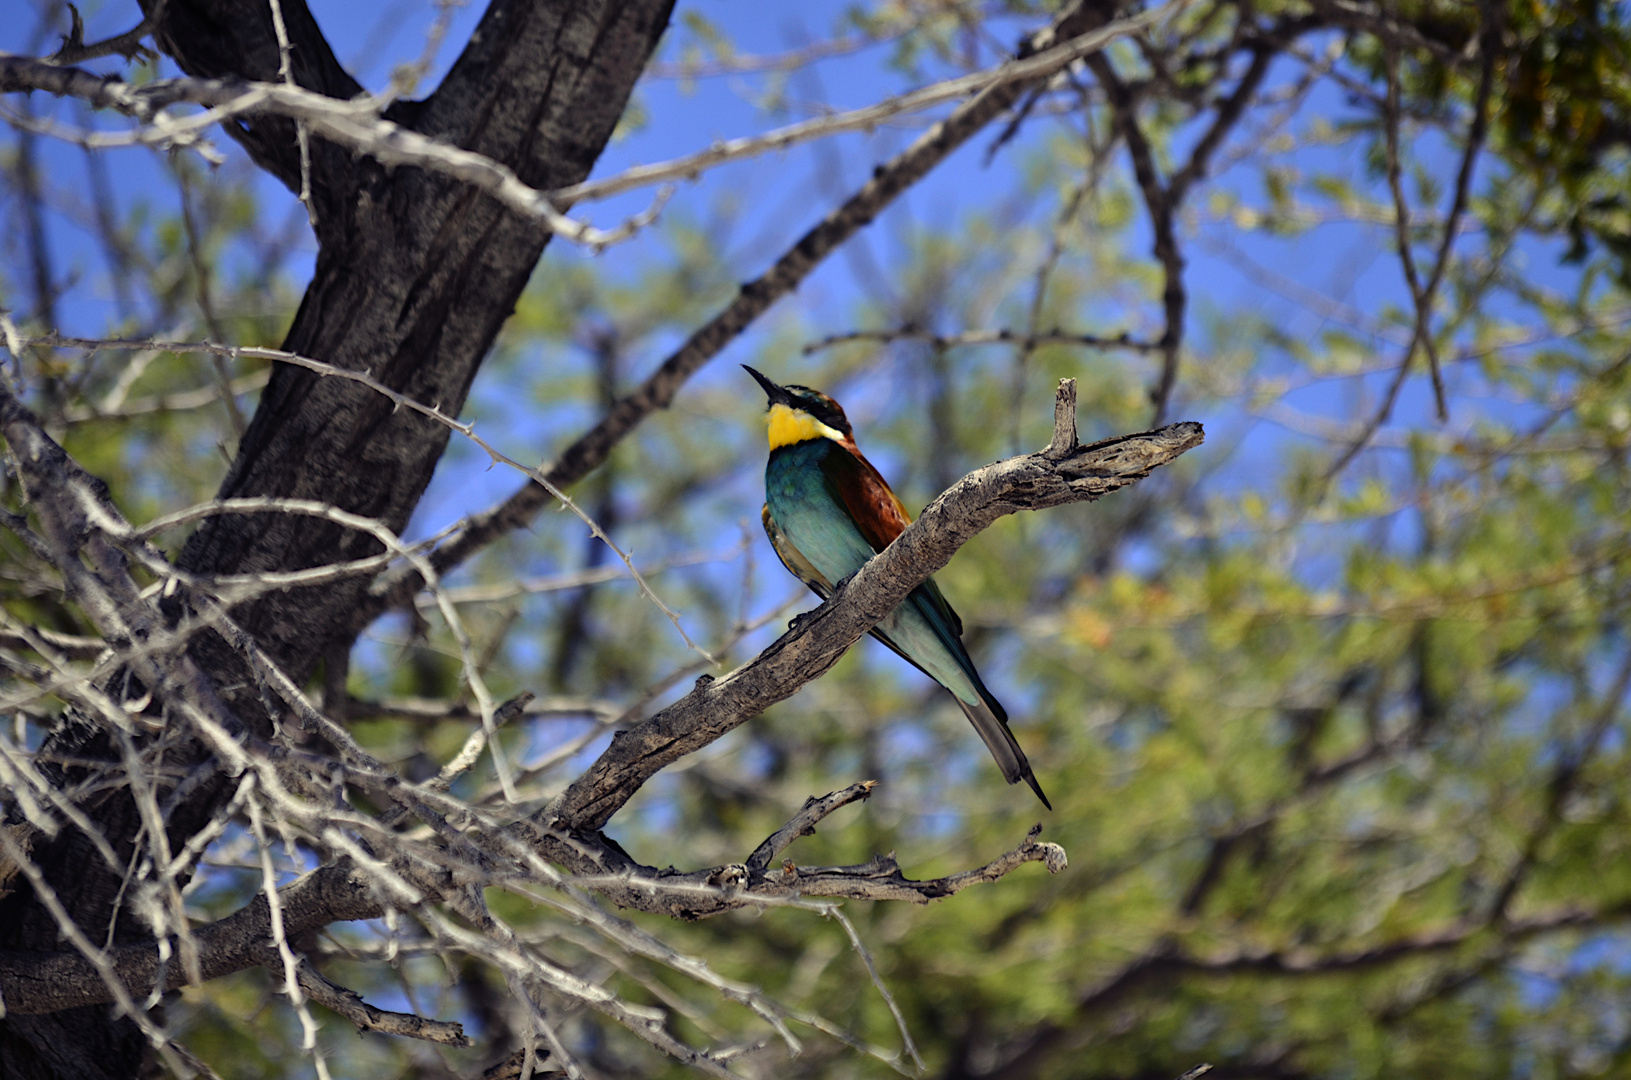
x=1331 y=711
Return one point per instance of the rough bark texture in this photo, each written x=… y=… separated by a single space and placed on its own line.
x=568 y=831
x=415 y=274
x=889 y=180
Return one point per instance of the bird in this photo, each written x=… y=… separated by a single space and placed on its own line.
x=827 y=511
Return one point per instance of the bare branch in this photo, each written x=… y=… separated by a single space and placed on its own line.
x=1028 y=70
x=984 y=337
x=1162 y=200
x=349 y=1004
x=1421 y=336
x=907 y=1045
x=889 y=181
x=1064 y=422
x=805 y=821
x=714 y=707
x=128 y=44
x=354 y=125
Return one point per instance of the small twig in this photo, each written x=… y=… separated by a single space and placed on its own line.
x=349 y=1004
x=983 y=337
x=180 y=401
x=128 y=44
x=285 y=72
x=757 y=64
x=284 y=954
x=406 y=77
x=1421 y=336
x=206 y=303
x=478 y=740
x=1030 y=69
x=804 y=822
x=1162 y=200
x=1063 y=443
x=907 y=1045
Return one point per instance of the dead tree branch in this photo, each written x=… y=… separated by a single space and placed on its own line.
x=889 y=181
x=567 y=832
x=1028 y=482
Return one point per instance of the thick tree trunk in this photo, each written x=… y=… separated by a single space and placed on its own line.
x=415 y=275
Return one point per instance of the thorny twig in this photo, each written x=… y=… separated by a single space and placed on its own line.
x=302 y=136
x=889 y=180
x=466 y=429
x=355 y=125
x=1026 y=70
x=984 y=337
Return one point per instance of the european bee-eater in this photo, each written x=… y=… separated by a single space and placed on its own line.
x=827 y=511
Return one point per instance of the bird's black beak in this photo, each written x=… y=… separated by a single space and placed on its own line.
x=776 y=394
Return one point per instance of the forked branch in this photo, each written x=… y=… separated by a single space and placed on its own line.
x=567 y=835
x=1029 y=482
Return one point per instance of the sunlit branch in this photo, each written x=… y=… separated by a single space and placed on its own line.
x=1028 y=70
x=355 y=125
x=465 y=429
x=983 y=337
x=889 y=180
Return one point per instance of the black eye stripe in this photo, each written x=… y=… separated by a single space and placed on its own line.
x=820 y=406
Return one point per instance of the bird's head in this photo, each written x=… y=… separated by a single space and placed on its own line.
x=798 y=413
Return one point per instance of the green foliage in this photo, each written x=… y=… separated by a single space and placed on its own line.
x=1339 y=761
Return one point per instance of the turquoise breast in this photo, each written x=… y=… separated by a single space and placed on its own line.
x=806 y=509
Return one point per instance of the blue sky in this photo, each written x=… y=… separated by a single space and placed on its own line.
x=781 y=195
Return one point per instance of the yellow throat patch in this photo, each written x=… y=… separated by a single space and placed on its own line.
x=789 y=426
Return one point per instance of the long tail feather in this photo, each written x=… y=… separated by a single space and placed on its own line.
x=1003 y=746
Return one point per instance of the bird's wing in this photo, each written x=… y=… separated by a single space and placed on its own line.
x=800 y=567
x=792 y=558
x=862 y=492
x=880 y=516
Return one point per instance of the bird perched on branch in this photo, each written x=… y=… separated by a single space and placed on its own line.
x=827 y=511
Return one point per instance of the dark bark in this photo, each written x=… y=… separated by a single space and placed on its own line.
x=567 y=831
x=415 y=275
x=889 y=181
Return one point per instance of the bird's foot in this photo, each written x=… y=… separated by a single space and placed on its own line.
x=799 y=621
